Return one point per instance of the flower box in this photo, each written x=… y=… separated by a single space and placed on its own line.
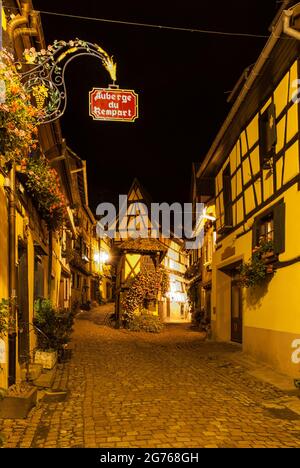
x=268 y=255
x=18 y=406
x=47 y=359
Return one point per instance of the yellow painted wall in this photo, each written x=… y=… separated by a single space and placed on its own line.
x=278 y=308
x=270 y=310
x=245 y=151
x=3 y=267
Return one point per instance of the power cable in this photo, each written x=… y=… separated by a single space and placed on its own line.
x=153 y=26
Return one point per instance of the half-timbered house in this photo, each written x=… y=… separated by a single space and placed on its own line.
x=253 y=170
x=139 y=253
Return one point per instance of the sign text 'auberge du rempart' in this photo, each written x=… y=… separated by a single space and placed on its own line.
x=113 y=104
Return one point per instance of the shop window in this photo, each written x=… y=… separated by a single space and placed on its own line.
x=267 y=136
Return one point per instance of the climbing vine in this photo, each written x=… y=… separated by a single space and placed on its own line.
x=144 y=287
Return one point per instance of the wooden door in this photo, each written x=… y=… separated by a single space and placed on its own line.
x=236 y=313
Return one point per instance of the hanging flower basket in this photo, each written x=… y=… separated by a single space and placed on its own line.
x=42 y=183
x=18 y=117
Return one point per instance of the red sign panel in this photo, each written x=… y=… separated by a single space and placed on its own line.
x=113 y=104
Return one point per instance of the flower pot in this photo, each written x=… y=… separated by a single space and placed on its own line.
x=47 y=359
x=18 y=406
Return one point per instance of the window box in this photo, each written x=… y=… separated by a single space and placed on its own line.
x=267 y=256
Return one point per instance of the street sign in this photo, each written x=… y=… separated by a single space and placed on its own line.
x=113 y=104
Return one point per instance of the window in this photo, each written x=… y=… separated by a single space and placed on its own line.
x=270 y=227
x=227 y=195
x=267 y=136
x=266 y=229
x=78 y=278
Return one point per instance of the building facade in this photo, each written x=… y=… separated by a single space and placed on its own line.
x=134 y=254
x=37 y=260
x=253 y=171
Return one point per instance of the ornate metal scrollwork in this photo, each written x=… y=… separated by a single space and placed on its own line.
x=45 y=80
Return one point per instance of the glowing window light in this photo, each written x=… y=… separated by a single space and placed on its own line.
x=101 y=257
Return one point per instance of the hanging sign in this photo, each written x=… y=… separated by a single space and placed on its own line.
x=113 y=104
x=2 y=352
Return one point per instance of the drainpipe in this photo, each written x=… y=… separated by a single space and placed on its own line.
x=12 y=360
x=19 y=20
x=32 y=31
x=287 y=29
x=278 y=29
x=50 y=262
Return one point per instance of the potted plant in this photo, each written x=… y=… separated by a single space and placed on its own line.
x=53 y=329
x=17 y=401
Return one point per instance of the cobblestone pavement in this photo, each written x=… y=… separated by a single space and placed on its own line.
x=170 y=390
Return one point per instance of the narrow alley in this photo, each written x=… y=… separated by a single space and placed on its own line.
x=173 y=389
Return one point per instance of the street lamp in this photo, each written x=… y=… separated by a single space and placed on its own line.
x=101 y=257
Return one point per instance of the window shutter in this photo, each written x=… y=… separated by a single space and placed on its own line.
x=227 y=196
x=271 y=129
x=267 y=136
x=279 y=228
x=255 y=234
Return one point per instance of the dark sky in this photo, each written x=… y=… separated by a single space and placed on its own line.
x=181 y=77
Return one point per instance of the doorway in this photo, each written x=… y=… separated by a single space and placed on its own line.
x=236 y=313
x=23 y=306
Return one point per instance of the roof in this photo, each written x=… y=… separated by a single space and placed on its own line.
x=269 y=69
x=144 y=246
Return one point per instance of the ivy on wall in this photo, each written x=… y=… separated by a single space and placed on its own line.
x=144 y=287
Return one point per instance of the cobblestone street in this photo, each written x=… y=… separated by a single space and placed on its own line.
x=169 y=390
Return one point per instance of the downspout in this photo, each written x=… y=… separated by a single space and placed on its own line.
x=19 y=20
x=50 y=262
x=32 y=31
x=287 y=29
x=12 y=276
x=283 y=22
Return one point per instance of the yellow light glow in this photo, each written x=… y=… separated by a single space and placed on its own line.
x=4 y=24
x=174 y=294
x=101 y=257
x=97 y=257
x=104 y=257
x=208 y=216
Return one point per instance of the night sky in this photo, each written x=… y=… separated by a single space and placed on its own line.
x=182 y=79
